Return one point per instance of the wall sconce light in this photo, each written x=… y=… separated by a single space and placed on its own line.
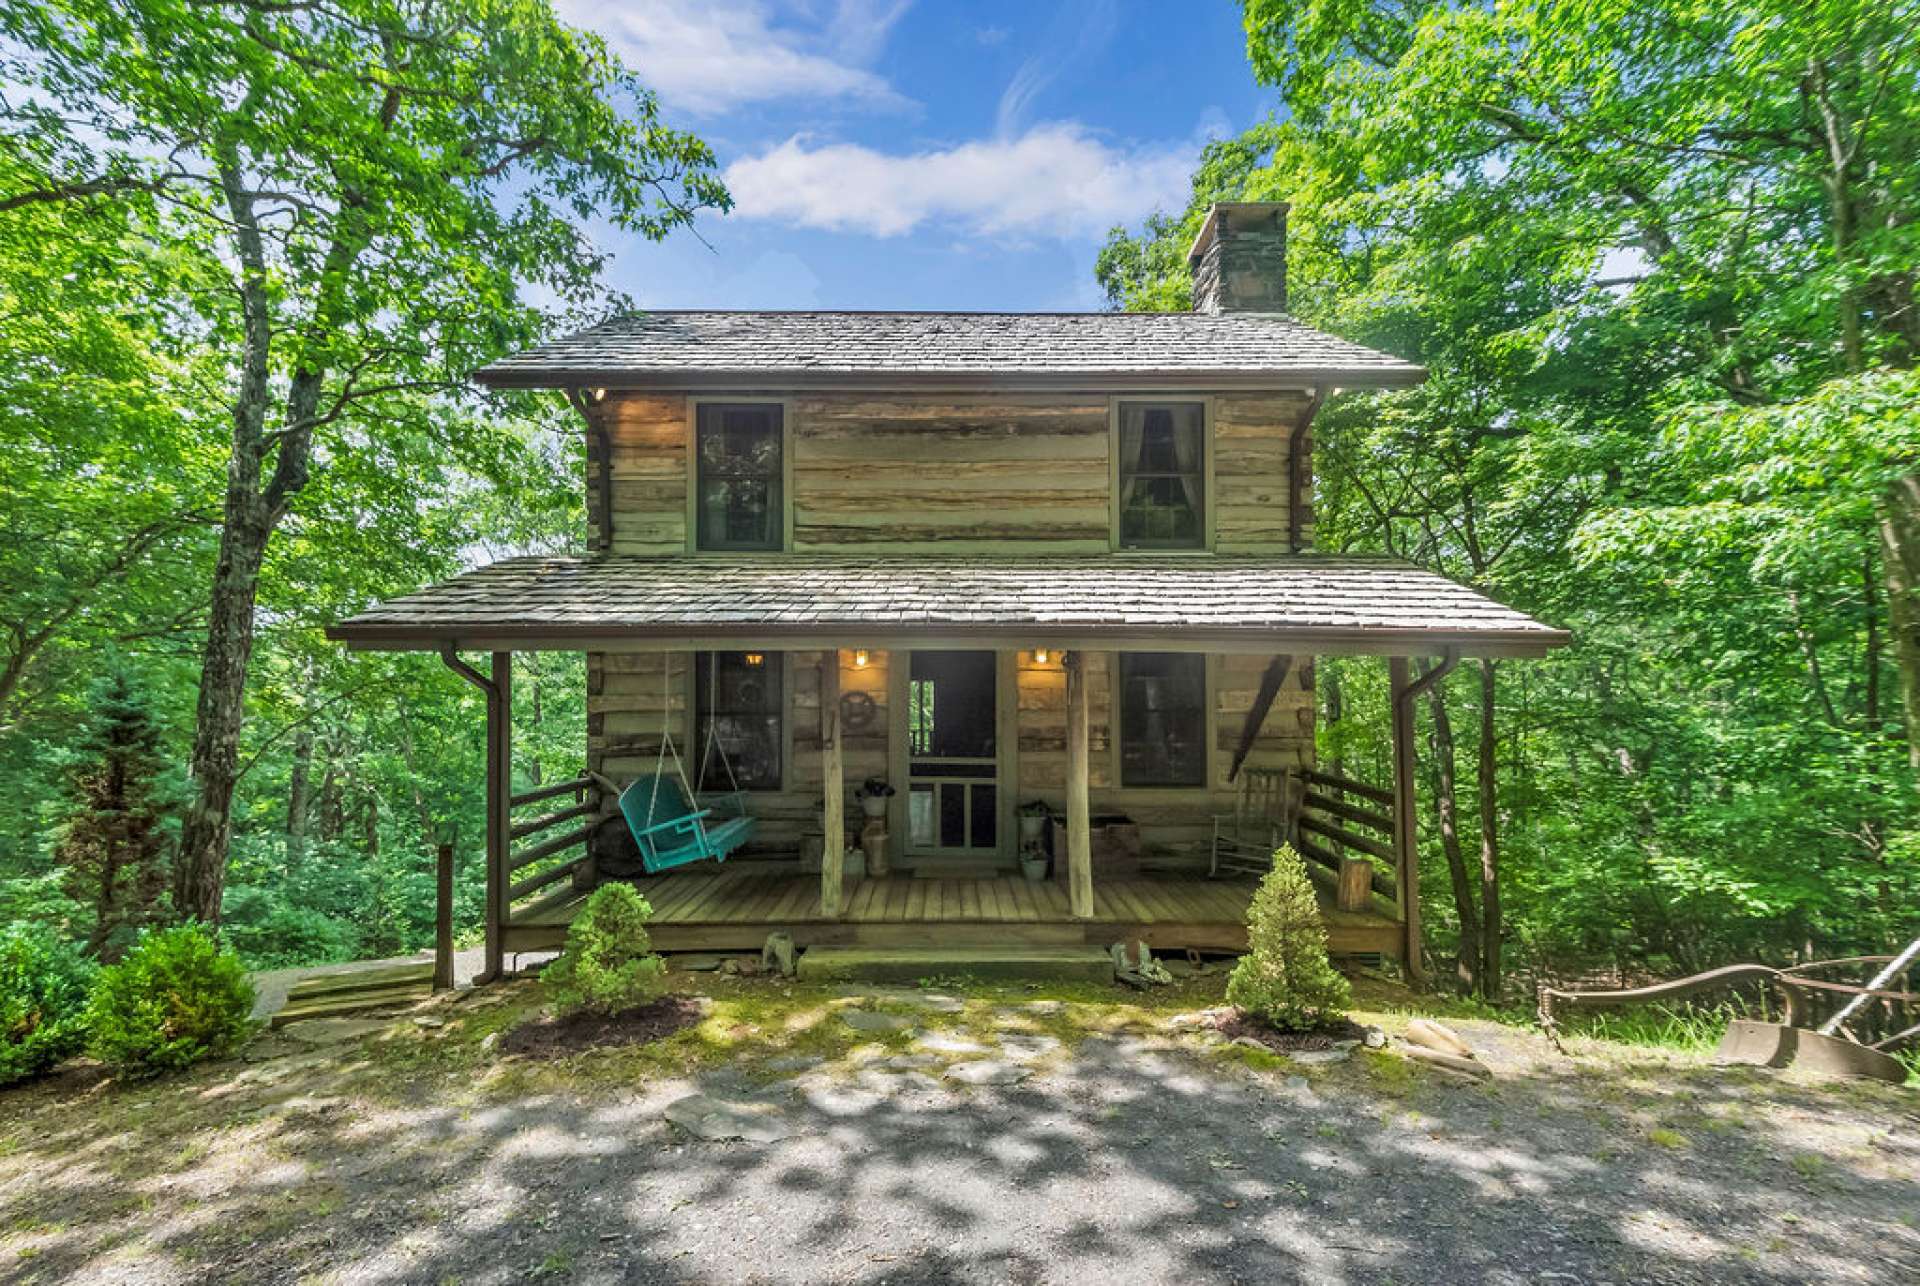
x=860 y=658
x=1040 y=656
x=756 y=658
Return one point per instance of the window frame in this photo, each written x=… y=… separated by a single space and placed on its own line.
x=1116 y=726
x=783 y=407
x=695 y=676
x=1209 y=491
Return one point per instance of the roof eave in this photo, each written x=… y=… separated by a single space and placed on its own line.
x=1384 y=377
x=547 y=636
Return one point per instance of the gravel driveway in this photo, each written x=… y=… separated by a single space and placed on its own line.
x=1134 y=1155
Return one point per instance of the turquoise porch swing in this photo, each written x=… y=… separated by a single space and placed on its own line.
x=669 y=827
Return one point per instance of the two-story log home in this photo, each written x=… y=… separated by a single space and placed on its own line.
x=989 y=558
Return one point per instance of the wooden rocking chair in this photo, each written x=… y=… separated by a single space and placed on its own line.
x=1262 y=820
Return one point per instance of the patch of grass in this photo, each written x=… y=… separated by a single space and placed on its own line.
x=1663 y=1137
x=1808 y=1165
x=1692 y=1028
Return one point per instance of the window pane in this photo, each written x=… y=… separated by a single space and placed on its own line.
x=737 y=700
x=737 y=452
x=1162 y=456
x=1163 y=719
x=982 y=801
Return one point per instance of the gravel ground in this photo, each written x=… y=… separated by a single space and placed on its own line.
x=1132 y=1152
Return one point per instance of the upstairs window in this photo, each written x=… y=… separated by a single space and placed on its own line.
x=1163 y=719
x=739 y=715
x=1162 y=475
x=738 y=500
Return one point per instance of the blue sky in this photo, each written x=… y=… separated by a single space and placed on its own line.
x=924 y=153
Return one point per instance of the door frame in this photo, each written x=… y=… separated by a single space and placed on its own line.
x=1006 y=733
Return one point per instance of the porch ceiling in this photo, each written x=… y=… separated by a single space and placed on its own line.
x=1165 y=602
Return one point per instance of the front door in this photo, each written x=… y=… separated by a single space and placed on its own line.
x=953 y=789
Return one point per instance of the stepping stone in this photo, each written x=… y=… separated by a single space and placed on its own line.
x=868 y=1092
x=1320 y=1057
x=939 y=1042
x=1024 y=1047
x=332 y=1031
x=868 y=1020
x=910 y=1062
x=793 y=1062
x=716 y=1120
x=695 y=963
x=991 y=1071
x=933 y=1002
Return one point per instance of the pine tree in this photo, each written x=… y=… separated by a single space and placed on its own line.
x=1285 y=976
x=114 y=847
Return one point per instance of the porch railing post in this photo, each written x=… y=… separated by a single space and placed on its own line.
x=443 y=918
x=499 y=807
x=833 y=850
x=1079 y=827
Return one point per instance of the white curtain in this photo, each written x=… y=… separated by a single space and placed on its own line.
x=1190 y=453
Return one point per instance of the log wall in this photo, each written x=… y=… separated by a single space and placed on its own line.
x=1009 y=472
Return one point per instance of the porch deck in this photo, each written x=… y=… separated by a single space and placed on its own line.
x=734 y=911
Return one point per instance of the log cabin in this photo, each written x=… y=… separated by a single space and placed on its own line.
x=992 y=627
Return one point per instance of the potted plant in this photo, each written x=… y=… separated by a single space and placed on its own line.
x=1033 y=864
x=873 y=795
x=1034 y=815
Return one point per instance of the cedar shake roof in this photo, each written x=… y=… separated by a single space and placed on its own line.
x=799 y=349
x=1313 y=602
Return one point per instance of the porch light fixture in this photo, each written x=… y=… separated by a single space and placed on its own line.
x=860 y=658
x=1040 y=656
x=756 y=658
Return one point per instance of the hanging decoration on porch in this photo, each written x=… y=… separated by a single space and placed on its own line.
x=856 y=711
x=660 y=810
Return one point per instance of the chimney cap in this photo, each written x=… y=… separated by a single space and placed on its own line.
x=1226 y=213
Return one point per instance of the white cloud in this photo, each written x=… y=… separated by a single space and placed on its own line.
x=1055 y=179
x=708 y=56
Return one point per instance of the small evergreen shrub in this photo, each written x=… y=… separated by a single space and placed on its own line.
x=608 y=963
x=43 y=1000
x=1285 y=976
x=175 y=999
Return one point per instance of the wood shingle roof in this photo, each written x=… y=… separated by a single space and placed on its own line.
x=797 y=349
x=1314 y=602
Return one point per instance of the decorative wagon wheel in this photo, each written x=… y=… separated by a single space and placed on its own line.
x=856 y=711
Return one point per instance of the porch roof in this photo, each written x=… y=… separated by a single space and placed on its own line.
x=1167 y=602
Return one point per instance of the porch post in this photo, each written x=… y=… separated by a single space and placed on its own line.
x=833 y=784
x=499 y=806
x=1079 y=830
x=499 y=759
x=1406 y=847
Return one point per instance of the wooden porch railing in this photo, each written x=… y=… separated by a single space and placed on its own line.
x=537 y=868
x=1347 y=828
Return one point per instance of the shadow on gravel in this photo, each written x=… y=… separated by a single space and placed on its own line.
x=1124 y=1162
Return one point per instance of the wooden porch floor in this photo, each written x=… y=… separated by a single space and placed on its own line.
x=734 y=911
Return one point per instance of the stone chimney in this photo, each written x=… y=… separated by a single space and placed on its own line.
x=1239 y=260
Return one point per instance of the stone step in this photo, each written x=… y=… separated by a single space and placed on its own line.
x=910 y=964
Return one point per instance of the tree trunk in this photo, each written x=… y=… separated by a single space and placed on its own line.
x=1900 y=563
x=428 y=835
x=298 y=794
x=200 y=875
x=1489 y=842
x=1446 y=806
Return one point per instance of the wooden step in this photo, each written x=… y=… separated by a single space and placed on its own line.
x=911 y=964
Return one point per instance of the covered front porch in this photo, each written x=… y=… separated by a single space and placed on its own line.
x=715 y=909
x=1055 y=627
